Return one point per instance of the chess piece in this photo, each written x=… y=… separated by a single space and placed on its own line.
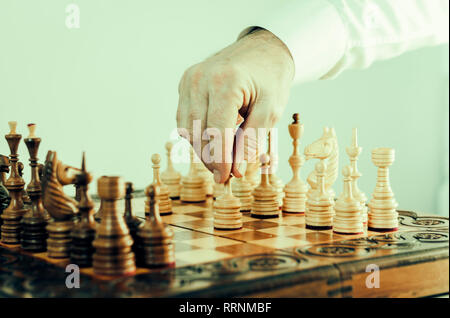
x=155 y=247
x=383 y=216
x=165 y=205
x=348 y=209
x=207 y=176
x=217 y=190
x=5 y=199
x=252 y=174
x=13 y=214
x=193 y=189
x=294 y=200
x=265 y=197
x=98 y=214
x=325 y=148
x=274 y=180
x=227 y=215
x=61 y=207
x=113 y=254
x=319 y=205
x=34 y=235
x=132 y=221
x=242 y=189
x=170 y=176
x=353 y=152
x=83 y=232
x=25 y=197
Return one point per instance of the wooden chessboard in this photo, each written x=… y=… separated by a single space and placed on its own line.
x=266 y=258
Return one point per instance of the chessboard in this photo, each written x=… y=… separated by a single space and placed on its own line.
x=276 y=257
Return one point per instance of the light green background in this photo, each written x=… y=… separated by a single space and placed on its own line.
x=110 y=89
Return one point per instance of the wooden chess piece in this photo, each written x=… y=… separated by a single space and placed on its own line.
x=348 y=218
x=155 y=239
x=83 y=232
x=274 y=180
x=61 y=207
x=34 y=222
x=25 y=197
x=319 y=208
x=98 y=214
x=165 y=204
x=193 y=188
x=207 y=176
x=383 y=216
x=265 y=197
x=13 y=214
x=294 y=200
x=242 y=189
x=133 y=222
x=353 y=152
x=253 y=173
x=5 y=199
x=170 y=176
x=325 y=148
x=227 y=215
x=113 y=243
x=217 y=190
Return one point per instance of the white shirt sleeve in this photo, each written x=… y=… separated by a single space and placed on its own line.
x=326 y=37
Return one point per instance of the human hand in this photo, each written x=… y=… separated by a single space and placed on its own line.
x=246 y=83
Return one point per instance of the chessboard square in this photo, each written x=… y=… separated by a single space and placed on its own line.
x=260 y=224
x=188 y=235
x=283 y=230
x=197 y=223
x=175 y=228
x=183 y=247
x=244 y=249
x=202 y=256
x=177 y=218
x=212 y=230
x=249 y=236
x=291 y=220
x=313 y=237
x=280 y=242
x=211 y=242
x=202 y=214
x=183 y=209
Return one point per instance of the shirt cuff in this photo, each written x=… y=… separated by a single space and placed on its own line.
x=314 y=33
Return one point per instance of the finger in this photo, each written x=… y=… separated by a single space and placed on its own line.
x=248 y=138
x=222 y=113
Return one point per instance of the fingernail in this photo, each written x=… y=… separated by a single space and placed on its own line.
x=217 y=176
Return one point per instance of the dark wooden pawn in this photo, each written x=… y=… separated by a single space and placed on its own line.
x=13 y=214
x=34 y=235
x=25 y=197
x=4 y=194
x=113 y=243
x=155 y=239
x=83 y=233
x=132 y=221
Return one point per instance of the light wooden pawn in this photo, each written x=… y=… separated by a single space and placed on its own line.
x=383 y=216
x=265 y=197
x=274 y=180
x=242 y=189
x=319 y=208
x=348 y=209
x=170 y=176
x=207 y=176
x=294 y=200
x=165 y=204
x=193 y=189
x=353 y=152
x=227 y=215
